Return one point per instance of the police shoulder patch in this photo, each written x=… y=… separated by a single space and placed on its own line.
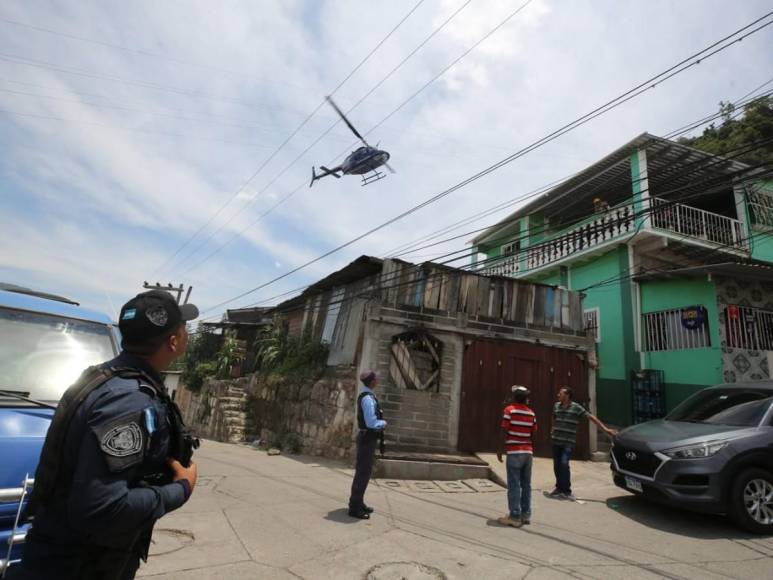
x=122 y=440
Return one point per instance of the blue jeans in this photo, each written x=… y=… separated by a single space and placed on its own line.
x=519 y=484
x=561 y=455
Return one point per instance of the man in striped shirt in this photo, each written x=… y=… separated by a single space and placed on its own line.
x=566 y=418
x=518 y=425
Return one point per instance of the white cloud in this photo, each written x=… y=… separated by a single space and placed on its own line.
x=206 y=93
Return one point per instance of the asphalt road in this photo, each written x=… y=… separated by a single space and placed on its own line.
x=260 y=517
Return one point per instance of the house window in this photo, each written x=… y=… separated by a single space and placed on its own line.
x=748 y=328
x=677 y=329
x=511 y=248
x=760 y=207
x=591 y=319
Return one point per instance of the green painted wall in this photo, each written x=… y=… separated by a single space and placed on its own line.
x=685 y=371
x=616 y=349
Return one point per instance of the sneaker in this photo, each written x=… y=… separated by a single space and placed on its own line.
x=526 y=520
x=510 y=521
x=568 y=497
x=556 y=493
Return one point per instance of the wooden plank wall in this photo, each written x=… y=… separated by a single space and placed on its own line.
x=502 y=299
x=435 y=288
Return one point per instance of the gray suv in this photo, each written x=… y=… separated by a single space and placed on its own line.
x=713 y=453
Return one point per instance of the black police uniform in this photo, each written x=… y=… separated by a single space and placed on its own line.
x=367 y=440
x=113 y=483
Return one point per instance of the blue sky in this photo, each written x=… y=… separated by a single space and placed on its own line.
x=125 y=126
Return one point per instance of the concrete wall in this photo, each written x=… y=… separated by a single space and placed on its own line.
x=425 y=421
x=685 y=371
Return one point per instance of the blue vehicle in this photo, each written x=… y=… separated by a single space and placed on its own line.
x=46 y=341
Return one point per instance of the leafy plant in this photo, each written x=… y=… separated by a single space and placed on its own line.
x=226 y=358
x=282 y=354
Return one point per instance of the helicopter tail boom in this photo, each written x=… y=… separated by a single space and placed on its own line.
x=325 y=172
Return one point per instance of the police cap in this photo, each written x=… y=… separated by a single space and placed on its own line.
x=151 y=314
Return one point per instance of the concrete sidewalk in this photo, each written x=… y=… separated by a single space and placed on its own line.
x=260 y=517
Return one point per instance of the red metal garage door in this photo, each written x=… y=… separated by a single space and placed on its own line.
x=492 y=366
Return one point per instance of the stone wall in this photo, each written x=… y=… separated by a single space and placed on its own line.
x=217 y=411
x=321 y=412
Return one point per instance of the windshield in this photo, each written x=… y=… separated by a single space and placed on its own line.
x=41 y=355
x=734 y=407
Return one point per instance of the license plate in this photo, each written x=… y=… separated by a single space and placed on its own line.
x=633 y=484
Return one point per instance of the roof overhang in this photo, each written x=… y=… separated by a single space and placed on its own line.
x=741 y=270
x=613 y=171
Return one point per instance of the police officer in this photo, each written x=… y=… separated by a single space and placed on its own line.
x=106 y=472
x=371 y=425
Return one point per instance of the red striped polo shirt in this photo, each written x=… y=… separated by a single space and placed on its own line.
x=520 y=423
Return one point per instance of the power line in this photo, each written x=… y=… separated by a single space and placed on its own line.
x=303 y=184
x=412 y=246
x=703 y=163
x=317 y=140
x=689 y=62
x=547 y=243
x=284 y=143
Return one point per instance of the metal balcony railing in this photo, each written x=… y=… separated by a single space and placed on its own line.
x=699 y=224
x=690 y=222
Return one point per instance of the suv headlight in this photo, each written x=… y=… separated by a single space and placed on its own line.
x=700 y=451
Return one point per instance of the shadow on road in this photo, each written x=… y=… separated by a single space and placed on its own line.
x=341 y=516
x=676 y=521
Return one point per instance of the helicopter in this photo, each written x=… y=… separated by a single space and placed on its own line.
x=363 y=161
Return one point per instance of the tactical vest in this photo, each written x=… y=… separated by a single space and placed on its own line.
x=49 y=477
x=360 y=413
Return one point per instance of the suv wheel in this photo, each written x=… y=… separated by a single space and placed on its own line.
x=751 y=501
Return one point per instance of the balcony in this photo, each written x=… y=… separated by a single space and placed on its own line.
x=699 y=225
x=686 y=222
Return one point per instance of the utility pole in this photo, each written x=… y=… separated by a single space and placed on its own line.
x=171 y=289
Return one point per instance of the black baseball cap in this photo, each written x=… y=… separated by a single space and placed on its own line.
x=151 y=314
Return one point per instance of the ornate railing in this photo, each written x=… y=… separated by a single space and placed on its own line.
x=605 y=226
x=507 y=266
x=690 y=222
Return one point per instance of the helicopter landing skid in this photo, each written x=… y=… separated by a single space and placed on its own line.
x=374 y=176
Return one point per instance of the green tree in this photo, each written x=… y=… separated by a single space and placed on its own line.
x=753 y=125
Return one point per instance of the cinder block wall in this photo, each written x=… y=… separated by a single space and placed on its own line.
x=423 y=421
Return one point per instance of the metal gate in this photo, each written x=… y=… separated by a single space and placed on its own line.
x=491 y=367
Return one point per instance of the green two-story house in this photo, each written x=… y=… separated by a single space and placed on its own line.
x=673 y=249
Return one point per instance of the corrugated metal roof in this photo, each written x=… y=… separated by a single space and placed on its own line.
x=667 y=162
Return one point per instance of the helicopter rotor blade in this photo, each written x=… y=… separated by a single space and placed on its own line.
x=389 y=167
x=345 y=120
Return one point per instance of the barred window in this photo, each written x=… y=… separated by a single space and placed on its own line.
x=760 y=206
x=677 y=329
x=748 y=328
x=591 y=319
